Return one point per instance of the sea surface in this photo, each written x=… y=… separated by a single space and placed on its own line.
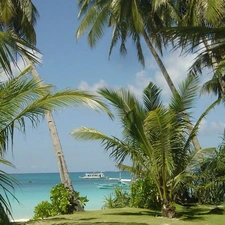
x=35 y=188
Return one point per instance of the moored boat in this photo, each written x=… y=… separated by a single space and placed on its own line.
x=93 y=176
x=112 y=185
x=126 y=181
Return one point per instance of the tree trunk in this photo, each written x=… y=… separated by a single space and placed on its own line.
x=63 y=171
x=170 y=83
x=168 y=210
x=214 y=65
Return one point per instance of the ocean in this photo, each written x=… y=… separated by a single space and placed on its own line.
x=35 y=188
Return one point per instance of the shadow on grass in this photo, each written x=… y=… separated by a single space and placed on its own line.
x=104 y=223
x=89 y=218
x=198 y=213
x=140 y=213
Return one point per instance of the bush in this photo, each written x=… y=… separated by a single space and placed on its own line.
x=44 y=210
x=61 y=199
x=144 y=194
x=118 y=199
x=61 y=203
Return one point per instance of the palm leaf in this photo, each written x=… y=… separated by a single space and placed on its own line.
x=119 y=149
x=11 y=48
x=7 y=183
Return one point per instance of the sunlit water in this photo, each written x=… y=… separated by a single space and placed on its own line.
x=35 y=188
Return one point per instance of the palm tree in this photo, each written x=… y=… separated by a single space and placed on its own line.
x=202 y=25
x=154 y=137
x=19 y=17
x=130 y=19
x=17 y=35
x=23 y=100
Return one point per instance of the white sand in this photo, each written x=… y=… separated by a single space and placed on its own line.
x=20 y=220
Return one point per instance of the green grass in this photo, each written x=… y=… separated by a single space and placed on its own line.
x=199 y=215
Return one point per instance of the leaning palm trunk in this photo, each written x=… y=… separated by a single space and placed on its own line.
x=169 y=82
x=63 y=171
x=214 y=65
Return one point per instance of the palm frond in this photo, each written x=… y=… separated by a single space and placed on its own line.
x=23 y=98
x=212 y=86
x=183 y=99
x=151 y=97
x=203 y=115
x=119 y=149
x=11 y=48
x=7 y=183
x=20 y=17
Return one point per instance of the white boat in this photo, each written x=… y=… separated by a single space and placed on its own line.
x=112 y=178
x=126 y=181
x=93 y=176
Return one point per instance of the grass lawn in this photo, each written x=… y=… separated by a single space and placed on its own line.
x=132 y=216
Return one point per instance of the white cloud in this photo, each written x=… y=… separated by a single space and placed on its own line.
x=151 y=64
x=177 y=67
x=141 y=82
x=211 y=128
x=85 y=86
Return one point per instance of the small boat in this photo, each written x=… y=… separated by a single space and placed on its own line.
x=126 y=181
x=93 y=176
x=112 y=178
x=107 y=186
x=112 y=185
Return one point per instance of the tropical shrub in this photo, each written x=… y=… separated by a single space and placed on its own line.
x=61 y=203
x=120 y=198
x=144 y=194
x=210 y=183
x=61 y=199
x=44 y=210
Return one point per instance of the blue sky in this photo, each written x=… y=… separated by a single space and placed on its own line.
x=67 y=63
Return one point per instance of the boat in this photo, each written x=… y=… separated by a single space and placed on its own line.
x=93 y=176
x=112 y=185
x=112 y=178
x=122 y=181
x=126 y=181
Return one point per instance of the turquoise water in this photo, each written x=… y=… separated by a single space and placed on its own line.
x=35 y=188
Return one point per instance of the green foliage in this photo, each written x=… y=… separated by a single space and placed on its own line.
x=44 y=210
x=4 y=219
x=144 y=194
x=82 y=199
x=61 y=199
x=118 y=199
x=61 y=203
x=210 y=183
x=7 y=183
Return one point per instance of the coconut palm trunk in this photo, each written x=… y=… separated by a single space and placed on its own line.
x=214 y=66
x=63 y=171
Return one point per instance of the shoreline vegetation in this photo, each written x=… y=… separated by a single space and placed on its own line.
x=200 y=214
